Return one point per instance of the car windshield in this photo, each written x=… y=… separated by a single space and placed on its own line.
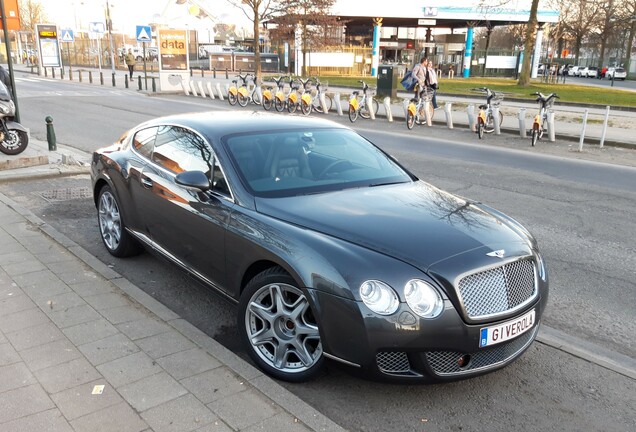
x=299 y=162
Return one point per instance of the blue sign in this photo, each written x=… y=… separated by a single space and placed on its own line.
x=143 y=34
x=67 y=35
x=96 y=27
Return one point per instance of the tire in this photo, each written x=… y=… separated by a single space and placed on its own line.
x=243 y=100
x=283 y=343
x=267 y=104
x=112 y=228
x=231 y=98
x=364 y=111
x=279 y=105
x=535 y=136
x=480 y=130
x=490 y=124
x=328 y=102
x=305 y=108
x=410 y=120
x=15 y=141
x=353 y=114
x=291 y=107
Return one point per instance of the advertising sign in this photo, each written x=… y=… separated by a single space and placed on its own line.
x=173 y=50
x=49 y=45
x=12 y=12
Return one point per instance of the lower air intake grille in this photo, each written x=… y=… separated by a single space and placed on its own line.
x=393 y=362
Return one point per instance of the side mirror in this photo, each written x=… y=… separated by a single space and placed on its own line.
x=196 y=180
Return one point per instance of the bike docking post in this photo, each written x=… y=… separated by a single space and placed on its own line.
x=551 y=131
x=338 y=104
x=449 y=115
x=193 y=88
x=522 y=122
x=90 y=77
x=470 y=110
x=210 y=90
x=583 y=131
x=50 y=133
x=218 y=91
x=227 y=89
x=370 y=105
x=495 y=120
x=323 y=102
x=259 y=93
x=607 y=109
x=387 y=108
x=405 y=106
x=201 y=91
x=428 y=115
x=184 y=86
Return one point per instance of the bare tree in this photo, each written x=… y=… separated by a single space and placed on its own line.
x=531 y=36
x=630 y=8
x=256 y=11
x=31 y=13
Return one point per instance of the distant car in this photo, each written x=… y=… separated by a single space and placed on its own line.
x=574 y=70
x=589 y=72
x=616 y=73
x=331 y=248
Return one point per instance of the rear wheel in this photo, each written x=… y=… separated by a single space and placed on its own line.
x=278 y=327
x=267 y=104
x=112 y=228
x=243 y=100
x=318 y=105
x=490 y=122
x=410 y=120
x=535 y=136
x=305 y=108
x=231 y=98
x=480 y=130
x=364 y=111
x=279 y=105
x=15 y=141
x=291 y=107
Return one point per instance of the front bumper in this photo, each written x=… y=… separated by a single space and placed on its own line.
x=404 y=347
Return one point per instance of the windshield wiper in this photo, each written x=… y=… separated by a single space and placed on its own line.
x=386 y=184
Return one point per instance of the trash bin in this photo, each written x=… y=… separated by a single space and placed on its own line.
x=387 y=81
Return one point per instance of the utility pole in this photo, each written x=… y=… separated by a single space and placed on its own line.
x=109 y=26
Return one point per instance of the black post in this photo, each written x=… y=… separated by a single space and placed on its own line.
x=126 y=80
x=79 y=75
x=50 y=133
x=145 y=66
x=139 y=81
x=90 y=77
x=214 y=72
x=202 y=75
x=53 y=73
x=226 y=75
x=46 y=73
x=101 y=78
x=113 y=74
x=61 y=73
x=154 y=85
x=190 y=72
x=613 y=77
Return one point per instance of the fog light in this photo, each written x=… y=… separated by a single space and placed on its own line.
x=463 y=361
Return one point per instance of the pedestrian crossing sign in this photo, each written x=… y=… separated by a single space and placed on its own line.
x=143 y=34
x=67 y=35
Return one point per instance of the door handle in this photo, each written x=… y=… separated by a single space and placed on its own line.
x=146 y=182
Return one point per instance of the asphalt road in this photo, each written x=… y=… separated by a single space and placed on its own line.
x=582 y=214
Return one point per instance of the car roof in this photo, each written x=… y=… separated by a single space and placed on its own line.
x=218 y=124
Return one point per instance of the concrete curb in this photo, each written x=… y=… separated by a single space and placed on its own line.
x=266 y=385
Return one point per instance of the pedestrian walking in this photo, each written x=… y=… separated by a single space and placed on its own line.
x=130 y=62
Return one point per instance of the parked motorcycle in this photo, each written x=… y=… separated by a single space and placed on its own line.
x=13 y=136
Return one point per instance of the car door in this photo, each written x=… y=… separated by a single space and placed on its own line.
x=188 y=226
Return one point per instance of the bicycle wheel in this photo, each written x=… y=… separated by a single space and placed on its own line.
x=490 y=122
x=305 y=108
x=364 y=110
x=353 y=114
x=318 y=105
x=267 y=104
x=535 y=136
x=410 y=120
x=291 y=107
x=231 y=98
x=480 y=130
x=279 y=105
x=243 y=100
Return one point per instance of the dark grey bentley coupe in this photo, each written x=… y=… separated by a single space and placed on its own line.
x=329 y=246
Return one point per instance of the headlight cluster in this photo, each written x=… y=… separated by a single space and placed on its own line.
x=422 y=298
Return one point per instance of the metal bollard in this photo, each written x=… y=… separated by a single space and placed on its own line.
x=46 y=73
x=202 y=74
x=470 y=110
x=61 y=73
x=114 y=84
x=214 y=73
x=387 y=108
x=90 y=77
x=587 y=111
x=551 y=131
x=607 y=110
x=70 y=74
x=191 y=72
x=226 y=75
x=139 y=81
x=52 y=72
x=449 y=115
x=126 y=80
x=50 y=133
x=79 y=75
x=210 y=90
x=154 y=85
x=101 y=78
x=522 y=122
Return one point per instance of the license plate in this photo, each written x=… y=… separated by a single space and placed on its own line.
x=499 y=333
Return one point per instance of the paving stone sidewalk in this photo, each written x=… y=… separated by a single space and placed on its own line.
x=82 y=349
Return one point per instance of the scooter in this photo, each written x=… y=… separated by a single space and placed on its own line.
x=13 y=136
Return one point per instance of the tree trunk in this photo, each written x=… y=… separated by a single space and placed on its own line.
x=257 y=50
x=630 y=42
x=531 y=34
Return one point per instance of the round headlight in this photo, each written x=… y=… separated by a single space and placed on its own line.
x=423 y=299
x=379 y=297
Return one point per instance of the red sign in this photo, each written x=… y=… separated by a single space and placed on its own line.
x=12 y=12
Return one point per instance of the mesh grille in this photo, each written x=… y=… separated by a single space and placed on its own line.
x=445 y=362
x=393 y=362
x=498 y=290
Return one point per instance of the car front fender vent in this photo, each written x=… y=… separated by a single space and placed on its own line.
x=445 y=363
x=393 y=362
x=499 y=290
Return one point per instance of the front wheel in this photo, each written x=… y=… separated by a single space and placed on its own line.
x=364 y=110
x=279 y=105
x=535 y=136
x=291 y=107
x=318 y=105
x=305 y=108
x=278 y=327
x=480 y=130
x=410 y=120
x=267 y=104
x=353 y=114
x=15 y=141
x=231 y=98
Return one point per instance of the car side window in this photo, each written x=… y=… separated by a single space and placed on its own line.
x=178 y=149
x=144 y=141
x=219 y=184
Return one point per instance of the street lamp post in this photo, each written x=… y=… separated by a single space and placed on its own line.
x=109 y=26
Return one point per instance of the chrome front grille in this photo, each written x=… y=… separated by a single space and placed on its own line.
x=393 y=362
x=498 y=290
x=446 y=362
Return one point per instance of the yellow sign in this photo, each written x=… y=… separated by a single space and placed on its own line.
x=173 y=49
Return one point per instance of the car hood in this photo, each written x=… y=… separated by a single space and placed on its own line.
x=414 y=222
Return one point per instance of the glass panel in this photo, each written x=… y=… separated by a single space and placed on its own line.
x=178 y=149
x=144 y=141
